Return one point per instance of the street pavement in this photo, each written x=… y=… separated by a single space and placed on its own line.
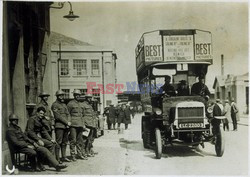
x=123 y=154
x=244 y=120
x=188 y=161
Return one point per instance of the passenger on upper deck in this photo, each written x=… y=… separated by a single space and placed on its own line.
x=183 y=89
x=200 y=88
x=167 y=88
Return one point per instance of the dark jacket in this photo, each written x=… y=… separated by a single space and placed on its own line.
x=111 y=113
x=61 y=114
x=168 y=89
x=124 y=116
x=127 y=119
x=183 y=91
x=16 y=138
x=76 y=112
x=36 y=130
x=200 y=89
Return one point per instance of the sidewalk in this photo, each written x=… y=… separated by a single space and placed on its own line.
x=244 y=120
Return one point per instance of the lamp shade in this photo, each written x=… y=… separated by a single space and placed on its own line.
x=71 y=16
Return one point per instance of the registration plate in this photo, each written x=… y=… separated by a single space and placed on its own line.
x=191 y=125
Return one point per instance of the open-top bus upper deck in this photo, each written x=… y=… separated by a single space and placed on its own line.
x=191 y=46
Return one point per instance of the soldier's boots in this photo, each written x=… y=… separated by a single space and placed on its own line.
x=73 y=158
x=60 y=166
x=93 y=152
x=35 y=169
x=65 y=159
x=41 y=167
x=91 y=155
x=82 y=157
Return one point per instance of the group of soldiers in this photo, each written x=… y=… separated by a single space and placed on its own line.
x=119 y=114
x=74 y=124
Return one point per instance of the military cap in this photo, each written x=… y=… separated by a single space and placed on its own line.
x=59 y=92
x=13 y=117
x=44 y=94
x=76 y=91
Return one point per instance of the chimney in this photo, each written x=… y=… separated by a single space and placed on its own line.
x=222 y=65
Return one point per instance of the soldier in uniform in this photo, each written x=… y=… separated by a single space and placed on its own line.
x=90 y=122
x=62 y=123
x=20 y=142
x=49 y=121
x=37 y=131
x=77 y=126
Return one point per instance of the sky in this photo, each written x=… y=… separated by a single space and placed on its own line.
x=119 y=26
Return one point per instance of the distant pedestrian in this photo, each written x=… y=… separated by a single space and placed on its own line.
x=127 y=119
x=139 y=108
x=123 y=117
x=132 y=111
x=110 y=112
x=234 y=111
x=112 y=115
x=227 y=111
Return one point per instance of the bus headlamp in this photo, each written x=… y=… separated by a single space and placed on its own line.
x=158 y=111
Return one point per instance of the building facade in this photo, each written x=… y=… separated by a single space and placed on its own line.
x=79 y=65
x=26 y=52
x=237 y=87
